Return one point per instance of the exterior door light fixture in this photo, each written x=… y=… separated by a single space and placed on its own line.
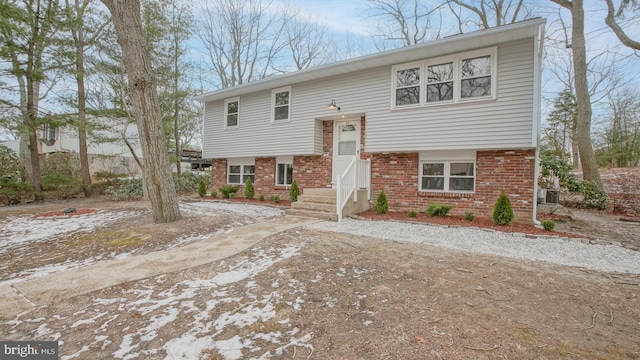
x=333 y=106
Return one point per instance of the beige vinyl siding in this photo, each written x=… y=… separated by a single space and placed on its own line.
x=502 y=123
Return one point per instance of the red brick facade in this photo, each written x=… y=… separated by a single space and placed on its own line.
x=398 y=174
x=511 y=171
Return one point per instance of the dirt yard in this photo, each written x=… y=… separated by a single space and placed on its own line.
x=308 y=294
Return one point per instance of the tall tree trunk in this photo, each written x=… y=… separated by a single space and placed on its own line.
x=583 y=126
x=156 y=170
x=587 y=155
x=82 y=114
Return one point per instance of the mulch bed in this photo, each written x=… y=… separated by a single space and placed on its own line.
x=254 y=201
x=478 y=221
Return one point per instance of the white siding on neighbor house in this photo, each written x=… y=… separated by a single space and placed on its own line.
x=503 y=123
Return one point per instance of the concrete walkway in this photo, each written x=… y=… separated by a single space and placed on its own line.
x=28 y=294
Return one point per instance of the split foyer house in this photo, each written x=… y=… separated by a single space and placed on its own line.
x=454 y=121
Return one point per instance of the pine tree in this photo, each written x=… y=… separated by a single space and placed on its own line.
x=249 y=191
x=502 y=212
x=382 y=206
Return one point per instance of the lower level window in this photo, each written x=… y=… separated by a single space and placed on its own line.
x=448 y=176
x=238 y=174
x=284 y=174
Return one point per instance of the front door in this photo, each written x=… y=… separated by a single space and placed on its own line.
x=346 y=145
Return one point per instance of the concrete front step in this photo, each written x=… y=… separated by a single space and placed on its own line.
x=317 y=199
x=320 y=192
x=312 y=214
x=313 y=206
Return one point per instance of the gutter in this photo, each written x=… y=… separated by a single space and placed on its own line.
x=539 y=52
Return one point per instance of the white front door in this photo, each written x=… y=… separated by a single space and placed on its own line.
x=346 y=145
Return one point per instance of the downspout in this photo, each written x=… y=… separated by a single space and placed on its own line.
x=537 y=93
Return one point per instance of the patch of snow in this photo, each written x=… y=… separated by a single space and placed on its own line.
x=18 y=231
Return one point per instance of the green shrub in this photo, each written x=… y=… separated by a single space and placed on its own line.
x=202 y=188
x=12 y=191
x=214 y=194
x=502 y=211
x=294 y=191
x=249 y=191
x=189 y=182
x=130 y=189
x=61 y=186
x=594 y=196
x=382 y=206
x=276 y=199
x=413 y=213
x=548 y=225
x=261 y=197
x=227 y=190
x=436 y=209
x=469 y=216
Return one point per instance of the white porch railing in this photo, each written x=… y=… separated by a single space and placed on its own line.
x=356 y=176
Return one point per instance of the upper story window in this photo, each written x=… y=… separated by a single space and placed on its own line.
x=232 y=112
x=455 y=78
x=281 y=102
x=440 y=82
x=476 y=77
x=407 y=85
x=48 y=133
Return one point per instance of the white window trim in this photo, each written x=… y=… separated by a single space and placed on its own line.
x=394 y=70
x=226 y=108
x=273 y=105
x=283 y=160
x=242 y=162
x=446 y=158
x=457 y=77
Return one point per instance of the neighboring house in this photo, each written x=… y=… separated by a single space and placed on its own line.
x=108 y=154
x=454 y=121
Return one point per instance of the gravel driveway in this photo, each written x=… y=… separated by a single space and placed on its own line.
x=563 y=251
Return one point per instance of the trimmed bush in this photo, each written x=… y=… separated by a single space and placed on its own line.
x=202 y=188
x=249 y=191
x=436 y=209
x=261 y=197
x=294 y=191
x=469 y=216
x=276 y=199
x=413 y=213
x=548 y=225
x=502 y=211
x=214 y=194
x=227 y=190
x=382 y=206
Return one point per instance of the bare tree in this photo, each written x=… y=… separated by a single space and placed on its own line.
x=126 y=15
x=407 y=22
x=491 y=13
x=242 y=38
x=305 y=41
x=581 y=86
x=610 y=20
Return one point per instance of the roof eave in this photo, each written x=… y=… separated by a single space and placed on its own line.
x=444 y=46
